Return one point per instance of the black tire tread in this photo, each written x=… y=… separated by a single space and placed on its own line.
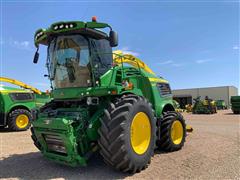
x=12 y=119
x=112 y=147
x=165 y=142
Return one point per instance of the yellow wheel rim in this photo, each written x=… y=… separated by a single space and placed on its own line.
x=22 y=121
x=140 y=133
x=177 y=132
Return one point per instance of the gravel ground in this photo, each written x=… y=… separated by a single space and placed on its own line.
x=210 y=152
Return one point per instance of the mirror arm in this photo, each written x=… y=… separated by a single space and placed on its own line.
x=37 y=49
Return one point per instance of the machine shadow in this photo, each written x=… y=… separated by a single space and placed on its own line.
x=34 y=166
x=157 y=151
x=6 y=130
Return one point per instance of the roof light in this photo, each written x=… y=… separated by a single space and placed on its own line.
x=71 y=25
x=61 y=26
x=66 y=26
x=39 y=34
x=55 y=28
x=94 y=19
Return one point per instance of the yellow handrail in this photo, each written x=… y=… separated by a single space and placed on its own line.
x=119 y=57
x=19 y=83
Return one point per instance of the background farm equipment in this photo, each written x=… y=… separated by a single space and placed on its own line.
x=189 y=107
x=235 y=103
x=177 y=107
x=16 y=104
x=206 y=106
x=220 y=104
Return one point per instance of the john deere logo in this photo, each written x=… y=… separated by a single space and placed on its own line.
x=47 y=121
x=62 y=94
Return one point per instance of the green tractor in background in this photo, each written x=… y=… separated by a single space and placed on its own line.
x=235 y=103
x=221 y=105
x=102 y=100
x=16 y=104
x=207 y=106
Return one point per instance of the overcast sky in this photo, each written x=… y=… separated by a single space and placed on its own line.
x=191 y=44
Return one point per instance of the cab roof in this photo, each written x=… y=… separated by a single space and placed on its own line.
x=41 y=35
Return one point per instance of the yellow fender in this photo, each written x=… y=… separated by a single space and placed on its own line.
x=119 y=57
x=19 y=83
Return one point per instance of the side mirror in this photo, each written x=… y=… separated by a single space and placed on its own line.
x=36 y=56
x=113 y=38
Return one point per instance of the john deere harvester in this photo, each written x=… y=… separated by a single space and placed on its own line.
x=102 y=100
x=16 y=104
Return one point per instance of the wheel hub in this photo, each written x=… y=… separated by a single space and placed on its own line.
x=22 y=121
x=140 y=133
x=177 y=132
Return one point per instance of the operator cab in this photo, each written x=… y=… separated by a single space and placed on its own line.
x=77 y=57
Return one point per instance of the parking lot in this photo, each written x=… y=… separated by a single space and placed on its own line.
x=211 y=151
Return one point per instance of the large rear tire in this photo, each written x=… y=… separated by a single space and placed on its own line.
x=172 y=132
x=19 y=120
x=128 y=134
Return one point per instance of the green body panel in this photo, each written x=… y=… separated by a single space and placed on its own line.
x=63 y=129
x=8 y=103
x=75 y=123
x=41 y=99
x=142 y=87
x=235 y=102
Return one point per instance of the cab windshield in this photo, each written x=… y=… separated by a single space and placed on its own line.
x=71 y=58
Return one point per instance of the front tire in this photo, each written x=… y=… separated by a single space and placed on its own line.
x=19 y=120
x=128 y=134
x=172 y=132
